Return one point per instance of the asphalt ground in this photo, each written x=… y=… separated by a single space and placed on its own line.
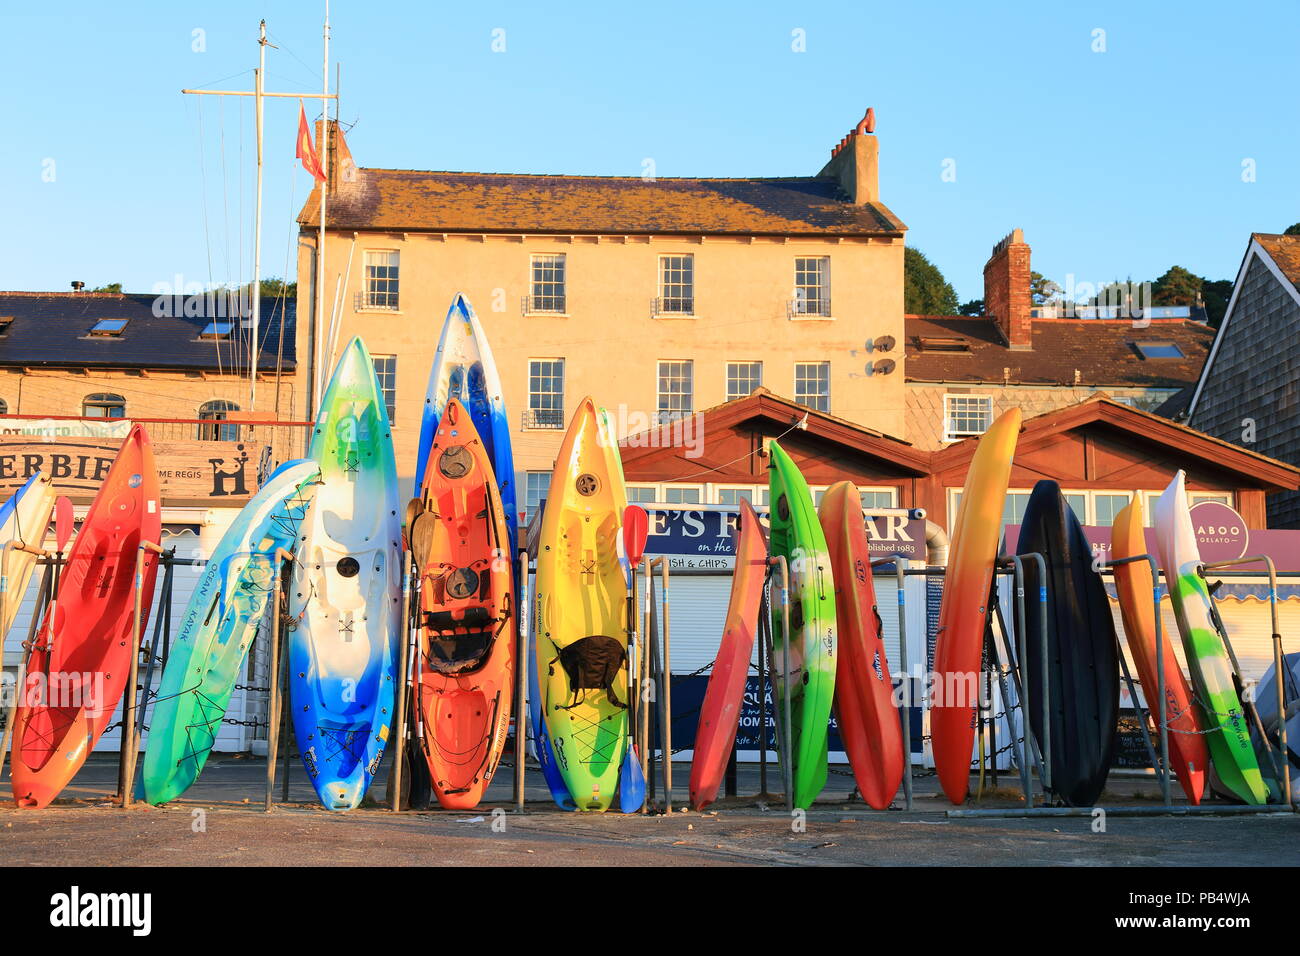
x=221 y=821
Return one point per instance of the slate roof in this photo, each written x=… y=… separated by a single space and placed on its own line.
x=453 y=202
x=51 y=328
x=1285 y=253
x=1102 y=350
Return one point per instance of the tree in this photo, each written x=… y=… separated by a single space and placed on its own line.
x=973 y=307
x=1041 y=289
x=1292 y=230
x=1177 y=287
x=925 y=290
x=115 y=287
x=1216 y=294
x=272 y=288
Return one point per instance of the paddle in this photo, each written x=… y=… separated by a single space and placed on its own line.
x=636 y=529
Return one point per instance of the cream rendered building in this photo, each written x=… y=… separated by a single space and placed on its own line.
x=657 y=297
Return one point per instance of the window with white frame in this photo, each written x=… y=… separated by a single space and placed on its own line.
x=642 y=494
x=878 y=498
x=966 y=415
x=734 y=495
x=536 y=485
x=386 y=372
x=381 y=274
x=812 y=286
x=676 y=388
x=1106 y=505
x=743 y=378
x=812 y=385
x=676 y=285
x=215 y=412
x=548 y=284
x=545 y=394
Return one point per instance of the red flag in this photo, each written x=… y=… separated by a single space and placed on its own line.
x=306 y=151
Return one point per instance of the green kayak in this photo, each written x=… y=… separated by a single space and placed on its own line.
x=809 y=665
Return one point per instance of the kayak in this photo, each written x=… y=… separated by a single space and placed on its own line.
x=1232 y=754
x=865 y=709
x=463 y=368
x=804 y=660
x=24 y=519
x=466 y=665
x=1189 y=758
x=79 y=668
x=347 y=590
x=219 y=625
x=1082 y=662
x=715 y=737
x=963 y=611
x=580 y=617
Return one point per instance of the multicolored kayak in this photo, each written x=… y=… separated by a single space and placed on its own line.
x=806 y=658
x=1082 y=661
x=1188 y=755
x=24 y=519
x=1227 y=731
x=959 y=640
x=347 y=590
x=78 y=671
x=865 y=710
x=217 y=628
x=580 y=617
x=466 y=664
x=463 y=368
x=715 y=736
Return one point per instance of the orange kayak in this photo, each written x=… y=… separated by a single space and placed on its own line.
x=864 y=693
x=720 y=713
x=80 y=665
x=1188 y=754
x=959 y=640
x=466 y=667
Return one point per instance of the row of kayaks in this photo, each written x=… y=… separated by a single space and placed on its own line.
x=335 y=520
x=1070 y=684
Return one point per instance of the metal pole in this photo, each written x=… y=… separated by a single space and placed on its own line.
x=643 y=671
x=521 y=678
x=403 y=663
x=274 y=701
x=763 y=645
x=318 y=371
x=666 y=675
x=126 y=764
x=786 y=735
x=159 y=623
x=1046 y=769
x=258 y=83
x=1007 y=637
x=906 y=714
x=20 y=678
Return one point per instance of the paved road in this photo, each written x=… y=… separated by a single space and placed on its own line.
x=220 y=822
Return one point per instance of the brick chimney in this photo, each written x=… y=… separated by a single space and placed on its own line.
x=855 y=162
x=341 y=166
x=1006 y=290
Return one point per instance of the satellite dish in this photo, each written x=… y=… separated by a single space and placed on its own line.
x=885 y=343
x=885 y=366
x=869 y=345
x=868 y=369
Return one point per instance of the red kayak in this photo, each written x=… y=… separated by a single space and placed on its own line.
x=80 y=664
x=720 y=712
x=864 y=694
x=458 y=537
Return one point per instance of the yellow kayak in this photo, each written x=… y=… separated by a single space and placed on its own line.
x=581 y=613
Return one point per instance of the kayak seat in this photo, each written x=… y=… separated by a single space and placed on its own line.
x=592 y=664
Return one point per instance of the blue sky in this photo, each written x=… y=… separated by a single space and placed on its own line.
x=1116 y=163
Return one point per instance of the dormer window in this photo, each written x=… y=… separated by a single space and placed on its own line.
x=217 y=330
x=5 y=322
x=108 y=328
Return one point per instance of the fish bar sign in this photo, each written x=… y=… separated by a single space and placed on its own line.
x=700 y=538
x=219 y=472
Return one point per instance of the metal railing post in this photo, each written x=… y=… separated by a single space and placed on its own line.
x=403 y=664
x=126 y=764
x=274 y=702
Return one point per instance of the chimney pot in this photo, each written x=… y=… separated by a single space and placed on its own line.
x=77 y=286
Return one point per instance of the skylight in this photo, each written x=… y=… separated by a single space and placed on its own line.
x=5 y=322
x=943 y=344
x=108 y=327
x=1158 y=350
x=217 y=330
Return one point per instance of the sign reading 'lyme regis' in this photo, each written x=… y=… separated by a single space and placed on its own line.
x=219 y=472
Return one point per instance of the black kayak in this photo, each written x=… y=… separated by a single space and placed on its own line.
x=1083 y=653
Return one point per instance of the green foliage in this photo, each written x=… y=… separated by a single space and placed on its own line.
x=115 y=287
x=1177 y=287
x=925 y=290
x=273 y=288
x=1042 y=289
x=1292 y=230
x=973 y=307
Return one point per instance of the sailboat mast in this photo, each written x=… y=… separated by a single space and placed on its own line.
x=324 y=191
x=258 y=87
